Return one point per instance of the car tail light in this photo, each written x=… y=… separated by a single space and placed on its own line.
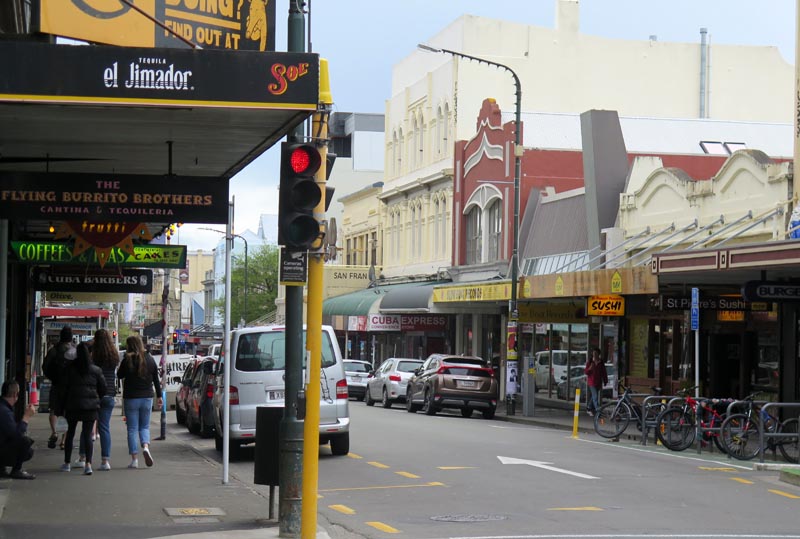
x=341 y=389
x=394 y=377
x=210 y=391
x=233 y=396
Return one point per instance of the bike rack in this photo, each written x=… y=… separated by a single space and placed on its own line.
x=646 y=425
x=736 y=404
x=762 y=435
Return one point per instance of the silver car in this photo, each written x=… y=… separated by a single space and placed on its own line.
x=357 y=372
x=389 y=382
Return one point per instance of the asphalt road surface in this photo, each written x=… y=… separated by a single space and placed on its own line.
x=447 y=477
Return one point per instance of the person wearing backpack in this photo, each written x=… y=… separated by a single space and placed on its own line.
x=53 y=366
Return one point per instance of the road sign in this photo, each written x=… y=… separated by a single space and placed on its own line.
x=695 y=312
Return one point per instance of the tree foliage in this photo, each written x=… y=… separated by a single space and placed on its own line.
x=262 y=285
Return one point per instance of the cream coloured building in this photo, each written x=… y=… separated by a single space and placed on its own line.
x=435 y=98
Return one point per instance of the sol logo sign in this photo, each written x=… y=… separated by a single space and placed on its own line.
x=103 y=9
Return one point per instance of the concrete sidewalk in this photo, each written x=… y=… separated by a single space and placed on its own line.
x=181 y=494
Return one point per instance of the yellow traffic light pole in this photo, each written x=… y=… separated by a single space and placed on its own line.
x=308 y=515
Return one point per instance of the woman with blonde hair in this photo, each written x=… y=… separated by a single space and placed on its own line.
x=106 y=356
x=139 y=375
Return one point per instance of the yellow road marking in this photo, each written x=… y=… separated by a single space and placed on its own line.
x=431 y=484
x=382 y=527
x=377 y=464
x=195 y=511
x=354 y=456
x=711 y=469
x=456 y=467
x=742 y=480
x=342 y=509
x=786 y=494
x=408 y=474
x=590 y=508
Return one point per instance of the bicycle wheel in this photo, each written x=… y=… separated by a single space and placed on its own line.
x=740 y=436
x=612 y=419
x=675 y=429
x=790 y=447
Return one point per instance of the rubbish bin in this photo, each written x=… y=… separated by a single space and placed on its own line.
x=268 y=422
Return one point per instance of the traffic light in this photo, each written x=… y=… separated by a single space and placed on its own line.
x=299 y=195
x=174 y=336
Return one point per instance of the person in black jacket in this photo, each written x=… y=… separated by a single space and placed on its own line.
x=85 y=385
x=53 y=366
x=139 y=375
x=15 y=446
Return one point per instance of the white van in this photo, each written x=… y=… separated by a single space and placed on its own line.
x=258 y=359
x=560 y=359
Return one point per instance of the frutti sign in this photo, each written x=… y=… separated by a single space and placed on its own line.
x=607 y=305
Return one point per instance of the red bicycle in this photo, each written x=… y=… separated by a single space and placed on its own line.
x=676 y=426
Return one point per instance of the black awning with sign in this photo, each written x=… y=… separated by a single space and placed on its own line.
x=154 y=330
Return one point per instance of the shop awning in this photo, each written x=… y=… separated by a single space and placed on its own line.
x=73 y=313
x=405 y=297
x=413 y=298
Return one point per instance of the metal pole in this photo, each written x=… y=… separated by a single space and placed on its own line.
x=245 y=281
x=226 y=343
x=796 y=178
x=164 y=350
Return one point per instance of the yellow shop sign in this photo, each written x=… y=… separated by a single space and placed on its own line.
x=607 y=305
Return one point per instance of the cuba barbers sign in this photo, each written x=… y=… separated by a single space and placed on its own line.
x=132 y=281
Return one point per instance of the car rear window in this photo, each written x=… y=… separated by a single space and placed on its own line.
x=355 y=367
x=408 y=366
x=465 y=371
x=266 y=351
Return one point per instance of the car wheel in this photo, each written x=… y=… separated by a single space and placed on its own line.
x=411 y=408
x=180 y=417
x=218 y=441
x=340 y=445
x=193 y=427
x=385 y=401
x=368 y=399
x=488 y=414
x=235 y=449
x=205 y=430
x=430 y=408
x=466 y=412
x=361 y=398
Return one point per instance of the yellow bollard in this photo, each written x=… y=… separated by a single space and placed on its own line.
x=577 y=412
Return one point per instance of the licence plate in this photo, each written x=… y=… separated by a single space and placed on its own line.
x=356 y=377
x=276 y=395
x=465 y=383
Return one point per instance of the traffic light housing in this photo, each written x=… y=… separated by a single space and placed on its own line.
x=174 y=336
x=299 y=195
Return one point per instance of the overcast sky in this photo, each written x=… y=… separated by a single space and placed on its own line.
x=363 y=39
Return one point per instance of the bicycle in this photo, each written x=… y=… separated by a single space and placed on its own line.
x=741 y=433
x=613 y=418
x=676 y=426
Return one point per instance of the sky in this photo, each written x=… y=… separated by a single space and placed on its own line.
x=363 y=39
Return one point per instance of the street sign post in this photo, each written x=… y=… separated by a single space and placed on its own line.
x=695 y=315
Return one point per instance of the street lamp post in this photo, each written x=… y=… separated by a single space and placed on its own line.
x=245 y=266
x=513 y=313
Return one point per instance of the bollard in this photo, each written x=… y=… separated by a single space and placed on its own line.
x=577 y=412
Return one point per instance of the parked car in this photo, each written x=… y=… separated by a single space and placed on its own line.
x=181 y=396
x=257 y=363
x=389 y=383
x=199 y=402
x=559 y=368
x=579 y=380
x=448 y=381
x=357 y=372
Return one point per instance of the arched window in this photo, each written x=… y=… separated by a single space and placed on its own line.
x=473 y=235
x=436 y=227
x=412 y=145
x=420 y=140
x=439 y=122
x=393 y=165
x=446 y=129
x=494 y=229
x=400 y=142
x=420 y=228
x=443 y=226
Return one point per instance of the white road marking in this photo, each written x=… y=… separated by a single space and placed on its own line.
x=670 y=454
x=545 y=466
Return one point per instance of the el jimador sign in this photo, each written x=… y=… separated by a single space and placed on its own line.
x=211 y=24
x=113 y=197
x=144 y=256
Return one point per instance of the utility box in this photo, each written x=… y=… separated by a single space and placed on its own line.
x=267 y=457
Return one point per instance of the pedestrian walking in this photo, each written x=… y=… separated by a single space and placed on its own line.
x=139 y=375
x=15 y=445
x=596 y=378
x=85 y=386
x=55 y=361
x=106 y=356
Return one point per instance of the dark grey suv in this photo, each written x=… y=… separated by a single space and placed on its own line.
x=443 y=381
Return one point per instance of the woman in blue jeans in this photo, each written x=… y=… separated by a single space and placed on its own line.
x=139 y=375
x=106 y=356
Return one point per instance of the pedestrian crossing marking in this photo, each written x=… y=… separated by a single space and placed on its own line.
x=742 y=480
x=382 y=527
x=377 y=464
x=342 y=509
x=785 y=494
x=408 y=474
x=590 y=508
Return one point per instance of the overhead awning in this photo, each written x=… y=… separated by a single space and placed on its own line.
x=156 y=329
x=405 y=297
x=413 y=298
x=73 y=313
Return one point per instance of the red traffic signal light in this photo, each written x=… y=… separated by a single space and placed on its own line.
x=174 y=336
x=114 y=334
x=299 y=196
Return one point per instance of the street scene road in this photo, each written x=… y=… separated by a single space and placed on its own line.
x=449 y=477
